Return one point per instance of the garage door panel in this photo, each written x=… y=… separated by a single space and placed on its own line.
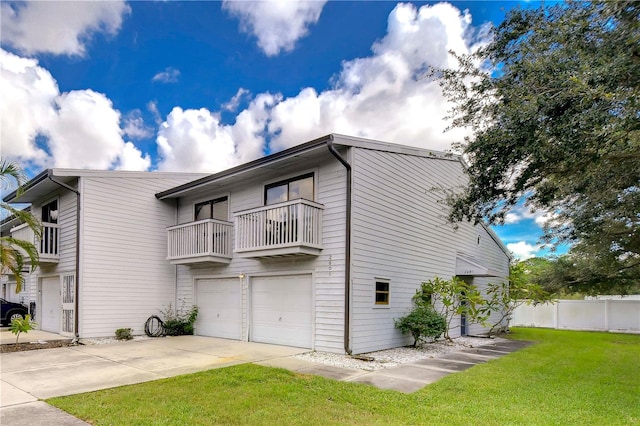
x=282 y=310
x=219 y=308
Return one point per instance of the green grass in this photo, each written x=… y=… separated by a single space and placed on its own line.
x=567 y=378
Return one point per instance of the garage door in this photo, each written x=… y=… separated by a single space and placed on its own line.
x=219 y=304
x=281 y=310
x=51 y=304
x=11 y=292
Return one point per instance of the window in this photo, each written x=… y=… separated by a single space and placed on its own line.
x=382 y=292
x=290 y=189
x=213 y=209
x=50 y=212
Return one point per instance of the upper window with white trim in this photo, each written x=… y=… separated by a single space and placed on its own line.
x=290 y=189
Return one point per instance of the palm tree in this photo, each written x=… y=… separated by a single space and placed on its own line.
x=12 y=250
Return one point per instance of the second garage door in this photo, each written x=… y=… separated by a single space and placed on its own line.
x=281 y=310
x=219 y=308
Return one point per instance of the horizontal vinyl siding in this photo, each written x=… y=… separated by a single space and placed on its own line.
x=125 y=275
x=67 y=202
x=400 y=233
x=327 y=268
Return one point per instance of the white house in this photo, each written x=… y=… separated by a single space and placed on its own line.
x=322 y=246
x=104 y=239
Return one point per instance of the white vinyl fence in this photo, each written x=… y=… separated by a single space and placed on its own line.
x=596 y=315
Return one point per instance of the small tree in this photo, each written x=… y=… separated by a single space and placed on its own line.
x=21 y=325
x=452 y=298
x=504 y=298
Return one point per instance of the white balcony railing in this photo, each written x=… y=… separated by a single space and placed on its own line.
x=49 y=244
x=293 y=227
x=206 y=240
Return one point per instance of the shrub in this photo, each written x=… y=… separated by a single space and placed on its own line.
x=178 y=323
x=423 y=323
x=124 y=334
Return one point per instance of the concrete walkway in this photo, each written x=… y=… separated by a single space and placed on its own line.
x=28 y=377
x=409 y=377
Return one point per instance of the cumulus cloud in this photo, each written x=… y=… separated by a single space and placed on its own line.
x=277 y=24
x=196 y=140
x=383 y=96
x=521 y=212
x=523 y=250
x=45 y=128
x=26 y=107
x=61 y=28
x=169 y=75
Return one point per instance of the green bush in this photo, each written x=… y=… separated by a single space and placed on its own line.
x=423 y=322
x=124 y=334
x=178 y=323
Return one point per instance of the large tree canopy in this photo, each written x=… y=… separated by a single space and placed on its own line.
x=553 y=105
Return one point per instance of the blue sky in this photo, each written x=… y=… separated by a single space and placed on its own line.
x=203 y=86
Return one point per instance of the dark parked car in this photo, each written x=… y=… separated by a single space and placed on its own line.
x=12 y=310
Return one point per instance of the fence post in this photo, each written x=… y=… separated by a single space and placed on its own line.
x=555 y=314
x=607 y=306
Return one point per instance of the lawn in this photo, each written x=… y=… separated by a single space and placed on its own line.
x=567 y=378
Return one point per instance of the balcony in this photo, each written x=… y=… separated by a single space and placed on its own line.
x=283 y=229
x=49 y=245
x=204 y=241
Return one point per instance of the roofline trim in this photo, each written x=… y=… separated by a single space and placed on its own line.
x=245 y=167
x=30 y=184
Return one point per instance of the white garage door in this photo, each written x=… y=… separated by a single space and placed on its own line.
x=51 y=304
x=281 y=310
x=219 y=304
x=11 y=292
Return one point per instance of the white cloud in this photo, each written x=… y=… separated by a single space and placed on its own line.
x=277 y=24
x=234 y=102
x=169 y=75
x=131 y=158
x=196 y=140
x=383 y=96
x=511 y=218
x=152 y=107
x=523 y=250
x=134 y=126
x=521 y=212
x=26 y=107
x=79 y=129
x=58 y=27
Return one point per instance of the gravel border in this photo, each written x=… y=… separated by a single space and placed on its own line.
x=393 y=357
x=109 y=340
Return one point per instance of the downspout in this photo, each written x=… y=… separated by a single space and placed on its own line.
x=347 y=268
x=77 y=289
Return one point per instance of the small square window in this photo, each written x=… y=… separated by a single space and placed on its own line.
x=382 y=292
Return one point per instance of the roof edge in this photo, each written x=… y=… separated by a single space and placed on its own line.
x=246 y=166
x=30 y=184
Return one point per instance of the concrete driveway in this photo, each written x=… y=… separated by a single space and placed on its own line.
x=32 y=375
x=27 y=377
